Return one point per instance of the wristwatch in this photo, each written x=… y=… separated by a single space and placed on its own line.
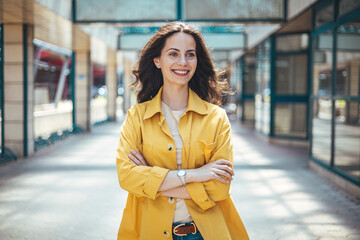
x=182 y=174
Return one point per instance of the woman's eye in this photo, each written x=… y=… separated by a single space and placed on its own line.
x=173 y=54
x=191 y=54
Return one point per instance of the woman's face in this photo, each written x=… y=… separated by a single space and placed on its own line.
x=178 y=59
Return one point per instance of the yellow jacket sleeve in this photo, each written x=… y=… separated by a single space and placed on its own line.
x=206 y=194
x=142 y=181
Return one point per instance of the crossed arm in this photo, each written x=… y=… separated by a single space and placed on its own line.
x=172 y=186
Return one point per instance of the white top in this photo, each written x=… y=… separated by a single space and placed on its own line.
x=172 y=119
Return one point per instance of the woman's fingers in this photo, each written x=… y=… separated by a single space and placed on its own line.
x=219 y=178
x=137 y=157
x=223 y=162
x=225 y=165
x=223 y=173
x=135 y=160
x=226 y=168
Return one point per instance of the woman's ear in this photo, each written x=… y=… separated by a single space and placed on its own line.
x=157 y=62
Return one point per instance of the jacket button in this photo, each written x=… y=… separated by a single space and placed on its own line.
x=171 y=200
x=167 y=234
x=170 y=146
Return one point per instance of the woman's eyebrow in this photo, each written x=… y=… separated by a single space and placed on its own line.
x=175 y=49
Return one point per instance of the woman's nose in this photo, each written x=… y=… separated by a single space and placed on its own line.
x=183 y=60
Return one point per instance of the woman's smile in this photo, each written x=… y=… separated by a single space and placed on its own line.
x=181 y=73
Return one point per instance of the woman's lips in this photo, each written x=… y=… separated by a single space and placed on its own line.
x=181 y=72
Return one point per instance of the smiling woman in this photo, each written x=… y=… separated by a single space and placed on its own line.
x=177 y=175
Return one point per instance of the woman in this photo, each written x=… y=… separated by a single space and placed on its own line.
x=175 y=153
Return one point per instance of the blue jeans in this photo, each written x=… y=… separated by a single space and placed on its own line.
x=196 y=236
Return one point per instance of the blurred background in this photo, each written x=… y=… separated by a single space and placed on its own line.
x=65 y=68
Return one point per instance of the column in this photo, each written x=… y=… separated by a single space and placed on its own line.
x=82 y=89
x=111 y=83
x=19 y=89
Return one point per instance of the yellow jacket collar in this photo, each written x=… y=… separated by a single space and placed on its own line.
x=195 y=103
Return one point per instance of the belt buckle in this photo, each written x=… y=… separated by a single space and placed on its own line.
x=194 y=228
x=175 y=229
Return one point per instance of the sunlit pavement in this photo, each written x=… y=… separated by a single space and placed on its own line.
x=70 y=191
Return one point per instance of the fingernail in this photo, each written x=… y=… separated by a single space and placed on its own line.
x=133 y=151
x=129 y=155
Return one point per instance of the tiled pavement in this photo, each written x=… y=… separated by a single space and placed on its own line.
x=70 y=191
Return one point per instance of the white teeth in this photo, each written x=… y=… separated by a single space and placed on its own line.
x=181 y=72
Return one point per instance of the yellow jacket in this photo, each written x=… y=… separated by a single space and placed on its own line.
x=205 y=131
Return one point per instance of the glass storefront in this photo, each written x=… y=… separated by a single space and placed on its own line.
x=120 y=96
x=281 y=100
x=347 y=137
x=347 y=88
x=53 y=106
x=336 y=88
x=348 y=59
x=290 y=119
x=321 y=129
x=262 y=91
x=291 y=74
x=247 y=73
x=99 y=94
x=322 y=105
x=322 y=64
x=249 y=78
x=290 y=93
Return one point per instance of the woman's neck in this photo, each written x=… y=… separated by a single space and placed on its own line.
x=175 y=97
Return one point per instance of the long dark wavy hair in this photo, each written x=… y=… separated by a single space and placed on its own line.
x=206 y=82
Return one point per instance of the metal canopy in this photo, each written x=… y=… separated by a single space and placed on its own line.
x=219 y=38
x=215 y=41
x=219 y=20
x=144 y=11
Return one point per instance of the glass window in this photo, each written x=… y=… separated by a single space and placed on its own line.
x=99 y=94
x=291 y=74
x=266 y=116
x=347 y=78
x=290 y=119
x=324 y=15
x=289 y=43
x=262 y=114
x=258 y=112
x=249 y=77
x=263 y=69
x=322 y=67
x=262 y=86
x=120 y=95
x=347 y=137
x=321 y=129
x=346 y=6
x=52 y=93
x=249 y=110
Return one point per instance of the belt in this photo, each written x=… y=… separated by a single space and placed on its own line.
x=185 y=229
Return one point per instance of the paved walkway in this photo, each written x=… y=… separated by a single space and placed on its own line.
x=70 y=191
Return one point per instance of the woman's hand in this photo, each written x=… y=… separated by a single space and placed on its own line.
x=218 y=170
x=137 y=158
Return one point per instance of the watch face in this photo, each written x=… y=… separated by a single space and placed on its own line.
x=181 y=173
